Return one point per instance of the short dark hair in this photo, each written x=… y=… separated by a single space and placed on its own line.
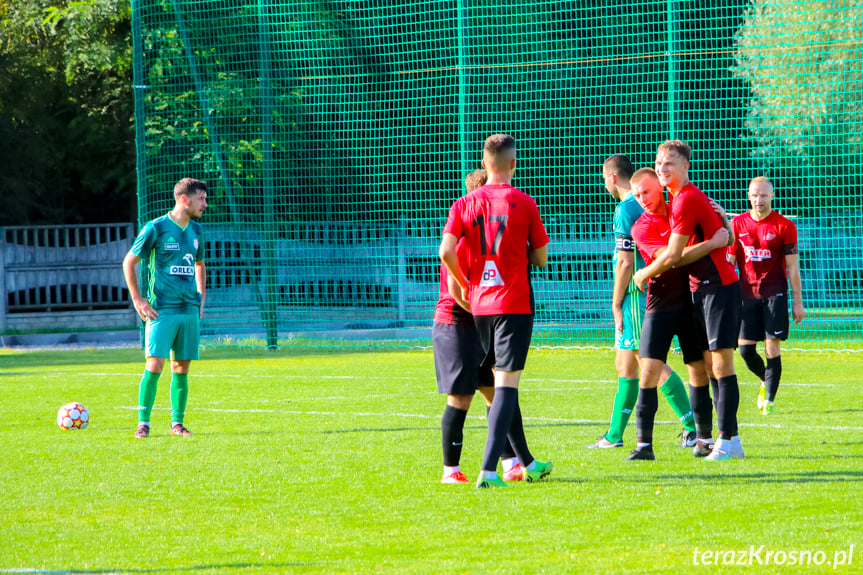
x=188 y=187
x=643 y=173
x=497 y=144
x=620 y=165
x=678 y=146
x=475 y=180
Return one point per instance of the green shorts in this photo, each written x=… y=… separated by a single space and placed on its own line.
x=634 y=304
x=177 y=332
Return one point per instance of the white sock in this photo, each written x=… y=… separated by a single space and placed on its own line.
x=509 y=463
x=147 y=423
x=447 y=471
x=532 y=465
x=489 y=474
x=640 y=445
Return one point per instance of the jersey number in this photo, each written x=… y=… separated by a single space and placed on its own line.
x=480 y=221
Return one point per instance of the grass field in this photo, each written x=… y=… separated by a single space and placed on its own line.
x=311 y=461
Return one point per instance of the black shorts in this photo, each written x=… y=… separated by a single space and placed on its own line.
x=505 y=339
x=660 y=327
x=718 y=311
x=458 y=359
x=765 y=318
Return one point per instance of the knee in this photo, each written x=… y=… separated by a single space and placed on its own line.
x=748 y=352
x=459 y=401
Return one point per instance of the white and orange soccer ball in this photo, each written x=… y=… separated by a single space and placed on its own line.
x=73 y=416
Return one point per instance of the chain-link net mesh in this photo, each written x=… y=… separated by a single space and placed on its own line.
x=335 y=135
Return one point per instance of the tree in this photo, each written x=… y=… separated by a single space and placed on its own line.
x=802 y=64
x=66 y=112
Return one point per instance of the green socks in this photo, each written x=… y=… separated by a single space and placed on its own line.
x=179 y=395
x=147 y=395
x=675 y=392
x=624 y=402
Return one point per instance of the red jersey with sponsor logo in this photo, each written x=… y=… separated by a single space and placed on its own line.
x=448 y=311
x=760 y=247
x=691 y=215
x=499 y=225
x=668 y=291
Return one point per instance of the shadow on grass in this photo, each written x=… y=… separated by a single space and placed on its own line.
x=88 y=356
x=154 y=569
x=714 y=478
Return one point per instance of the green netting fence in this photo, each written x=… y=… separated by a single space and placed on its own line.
x=335 y=136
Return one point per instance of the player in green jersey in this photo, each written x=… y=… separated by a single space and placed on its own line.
x=172 y=248
x=627 y=306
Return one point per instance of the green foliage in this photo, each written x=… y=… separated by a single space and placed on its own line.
x=308 y=461
x=803 y=66
x=65 y=111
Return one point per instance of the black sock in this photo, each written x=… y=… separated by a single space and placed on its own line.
x=645 y=414
x=516 y=441
x=726 y=406
x=702 y=410
x=452 y=432
x=773 y=373
x=508 y=450
x=499 y=422
x=753 y=360
x=714 y=388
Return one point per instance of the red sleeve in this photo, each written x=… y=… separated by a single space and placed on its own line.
x=789 y=239
x=684 y=214
x=454 y=223
x=736 y=249
x=538 y=236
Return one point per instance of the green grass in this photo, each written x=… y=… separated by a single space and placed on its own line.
x=316 y=461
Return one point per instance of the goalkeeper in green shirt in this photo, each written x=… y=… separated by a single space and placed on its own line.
x=172 y=249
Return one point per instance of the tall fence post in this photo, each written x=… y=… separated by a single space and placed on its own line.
x=265 y=98
x=462 y=87
x=673 y=14
x=3 y=295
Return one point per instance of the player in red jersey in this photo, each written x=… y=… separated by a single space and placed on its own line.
x=765 y=251
x=715 y=288
x=668 y=313
x=503 y=232
x=459 y=371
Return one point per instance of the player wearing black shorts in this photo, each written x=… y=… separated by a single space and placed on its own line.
x=668 y=313
x=713 y=282
x=460 y=371
x=765 y=251
x=503 y=233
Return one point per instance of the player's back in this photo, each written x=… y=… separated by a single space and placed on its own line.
x=499 y=223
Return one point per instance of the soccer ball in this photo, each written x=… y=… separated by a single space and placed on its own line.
x=73 y=416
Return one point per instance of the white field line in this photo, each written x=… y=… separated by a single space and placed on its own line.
x=436 y=417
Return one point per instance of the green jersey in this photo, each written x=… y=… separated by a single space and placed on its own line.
x=170 y=253
x=625 y=215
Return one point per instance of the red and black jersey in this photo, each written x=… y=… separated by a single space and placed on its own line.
x=760 y=247
x=692 y=215
x=669 y=291
x=499 y=225
x=448 y=311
